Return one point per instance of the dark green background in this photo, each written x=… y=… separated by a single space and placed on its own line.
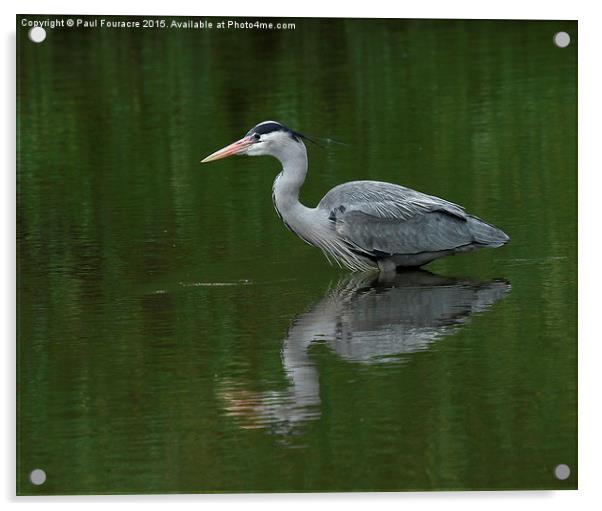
x=154 y=293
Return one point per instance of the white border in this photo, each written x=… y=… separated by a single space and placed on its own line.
x=590 y=169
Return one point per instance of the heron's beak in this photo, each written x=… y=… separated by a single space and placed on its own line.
x=235 y=148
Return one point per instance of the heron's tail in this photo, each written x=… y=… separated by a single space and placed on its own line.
x=486 y=234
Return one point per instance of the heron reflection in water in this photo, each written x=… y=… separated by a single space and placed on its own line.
x=366 y=318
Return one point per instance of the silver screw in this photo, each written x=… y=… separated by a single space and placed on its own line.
x=37 y=476
x=562 y=39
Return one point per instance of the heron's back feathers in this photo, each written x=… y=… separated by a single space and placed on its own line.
x=386 y=200
x=387 y=221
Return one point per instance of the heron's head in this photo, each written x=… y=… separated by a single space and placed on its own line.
x=267 y=138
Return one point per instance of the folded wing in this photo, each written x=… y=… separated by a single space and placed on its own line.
x=384 y=219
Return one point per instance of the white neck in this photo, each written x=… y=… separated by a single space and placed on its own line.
x=311 y=224
x=294 y=169
x=286 y=189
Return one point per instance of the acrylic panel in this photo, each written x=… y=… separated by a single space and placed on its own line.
x=174 y=336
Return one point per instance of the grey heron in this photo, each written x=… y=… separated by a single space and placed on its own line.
x=363 y=225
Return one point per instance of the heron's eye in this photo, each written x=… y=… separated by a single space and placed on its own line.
x=256 y=136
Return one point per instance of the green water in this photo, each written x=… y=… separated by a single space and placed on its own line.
x=173 y=336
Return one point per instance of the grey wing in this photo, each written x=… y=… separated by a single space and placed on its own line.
x=382 y=218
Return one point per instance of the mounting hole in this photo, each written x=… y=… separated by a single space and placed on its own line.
x=37 y=476
x=562 y=471
x=36 y=34
x=562 y=39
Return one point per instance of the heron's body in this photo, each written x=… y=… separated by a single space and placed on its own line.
x=365 y=225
